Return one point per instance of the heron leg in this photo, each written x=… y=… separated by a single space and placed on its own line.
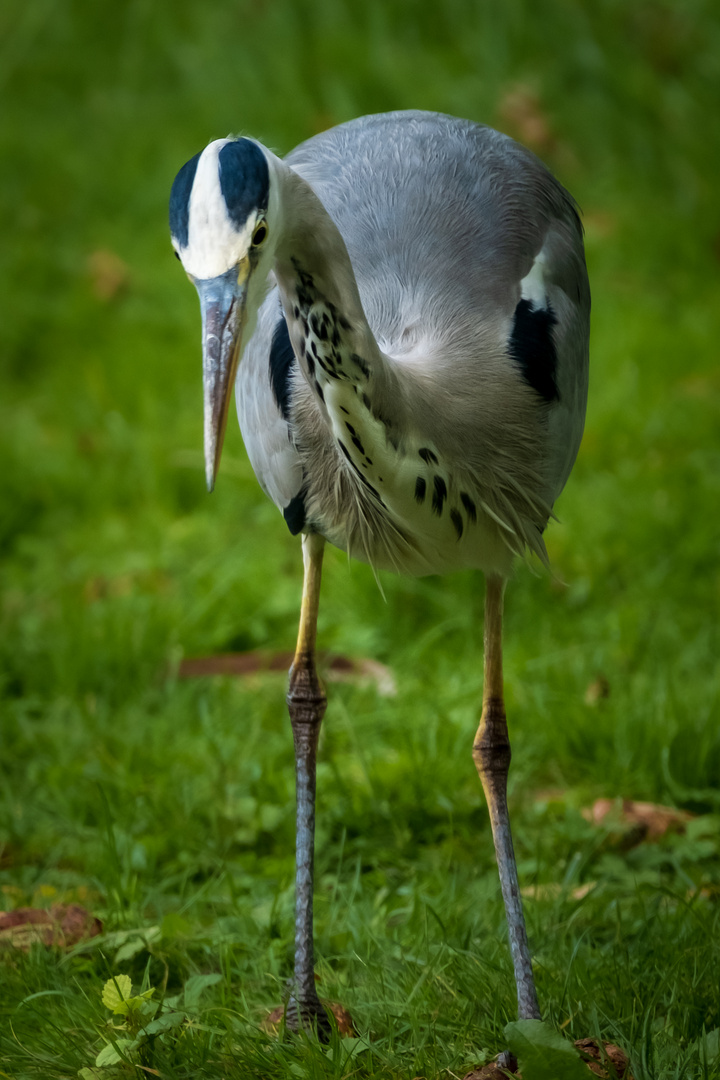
x=306 y=703
x=491 y=753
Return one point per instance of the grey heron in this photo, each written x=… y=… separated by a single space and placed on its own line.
x=403 y=306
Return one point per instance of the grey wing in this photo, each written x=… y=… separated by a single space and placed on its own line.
x=568 y=295
x=263 y=391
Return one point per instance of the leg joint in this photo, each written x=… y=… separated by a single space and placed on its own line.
x=491 y=749
x=306 y=696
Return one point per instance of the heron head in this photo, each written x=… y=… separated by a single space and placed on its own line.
x=221 y=204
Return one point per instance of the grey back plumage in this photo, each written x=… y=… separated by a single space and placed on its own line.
x=446 y=223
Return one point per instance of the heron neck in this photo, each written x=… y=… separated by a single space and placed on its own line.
x=319 y=293
x=357 y=388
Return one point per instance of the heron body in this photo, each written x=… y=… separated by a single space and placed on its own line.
x=408 y=296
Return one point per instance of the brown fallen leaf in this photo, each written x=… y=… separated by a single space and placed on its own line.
x=247 y=663
x=521 y=111
x=63 y=926
x=8 y=856
x=76 y=923
x=321 y=121
x=549 y=795
x=25 y=927
x=553 y=889
x=640 y=820
x=360 y=671
x=599 y=224
x=597 y=690
x=342 y=1018
x=699 y=386
x=109 y=275
x=611 y=1054
x=100 y=587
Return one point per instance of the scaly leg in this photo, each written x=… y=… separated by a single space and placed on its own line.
x=306 y=703
x=491 y=753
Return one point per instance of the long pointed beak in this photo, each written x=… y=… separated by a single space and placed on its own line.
x=222 y=303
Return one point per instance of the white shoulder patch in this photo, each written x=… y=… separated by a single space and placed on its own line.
x=532 y=286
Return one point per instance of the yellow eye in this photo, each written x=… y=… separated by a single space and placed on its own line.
x=260 y=234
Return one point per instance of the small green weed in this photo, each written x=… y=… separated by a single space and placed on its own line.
x=146 y=1025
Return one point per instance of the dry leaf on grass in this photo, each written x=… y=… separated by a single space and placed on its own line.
x=613 y=1054
x=109 y=275
x=639 y=820
x=599 y=224
x=361 y=671
x=63 y=926
x=553 y=889
x=343 y=1019
x=520 y=109
x=597 y=690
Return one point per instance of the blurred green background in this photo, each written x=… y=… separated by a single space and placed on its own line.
x=165 y=806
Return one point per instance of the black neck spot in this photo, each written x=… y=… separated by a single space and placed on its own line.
x=457 y=521
x=470 y=508
x=439 y=495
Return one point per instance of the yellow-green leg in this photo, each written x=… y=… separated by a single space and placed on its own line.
x=491 y=753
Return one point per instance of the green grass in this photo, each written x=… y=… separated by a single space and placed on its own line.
x=166 y=804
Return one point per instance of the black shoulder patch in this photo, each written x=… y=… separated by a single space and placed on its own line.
x=180 y=200
x=533 y=349
x=294 y=513
x=244 y=179
x=282 y=359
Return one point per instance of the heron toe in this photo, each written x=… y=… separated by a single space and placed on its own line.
x=493 y=1071
x=313 y=1018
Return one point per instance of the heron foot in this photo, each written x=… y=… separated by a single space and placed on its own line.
x=493 y=1071
x=604 y=1060
x=312 y=1017
x=308 y=1016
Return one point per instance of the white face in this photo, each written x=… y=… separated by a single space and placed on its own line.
x=216 y=243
